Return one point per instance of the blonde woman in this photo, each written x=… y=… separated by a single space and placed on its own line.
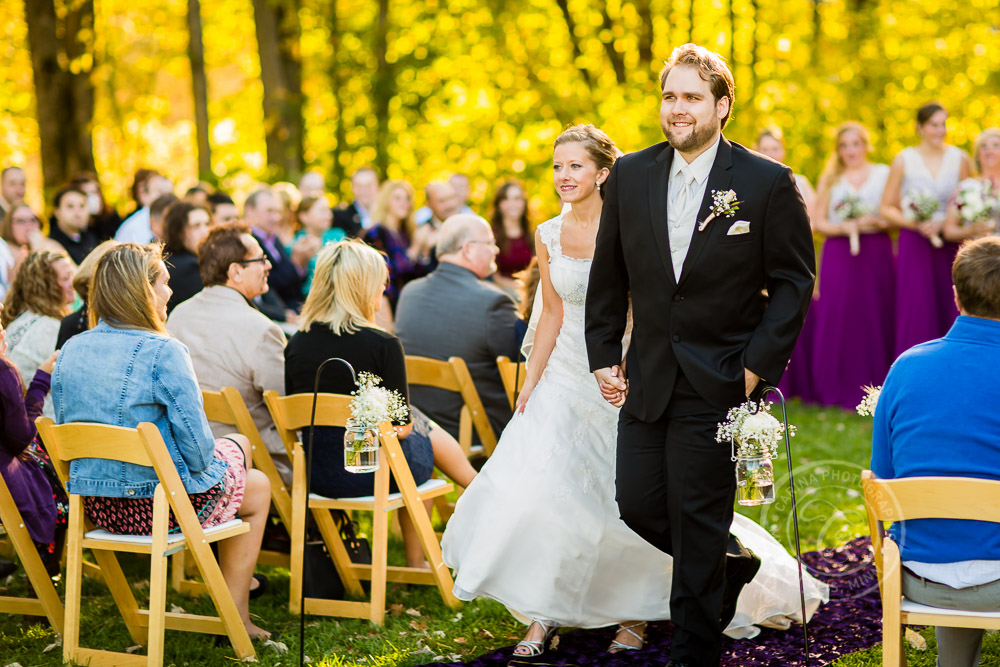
x=145 y=375
x=338 y=320
x=852 y=321
x=986 y=158
x=392 y=232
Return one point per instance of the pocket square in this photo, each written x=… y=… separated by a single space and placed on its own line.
x=739 y=227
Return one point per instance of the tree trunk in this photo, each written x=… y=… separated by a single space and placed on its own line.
x=574 y=40
x=617 y=61
x=277 y=24
x=199 y=86
x=61 y=62
x=691 y=22
x=338 y=175
x=383 y=89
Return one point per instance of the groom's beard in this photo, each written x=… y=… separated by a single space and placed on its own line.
x=699 y=137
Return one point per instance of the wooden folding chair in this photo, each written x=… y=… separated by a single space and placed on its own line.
x=143 y=446
x=453 y=375
x=47 y=602
x=890 y=500
x=291 y=414
x=512 y=376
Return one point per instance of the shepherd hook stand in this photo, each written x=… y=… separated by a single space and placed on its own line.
x=309 y=460
x=795 y=512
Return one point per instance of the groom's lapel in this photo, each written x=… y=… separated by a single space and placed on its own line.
x=718 y=179
x=658 y=177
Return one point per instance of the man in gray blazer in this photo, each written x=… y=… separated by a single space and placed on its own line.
x=454 y=312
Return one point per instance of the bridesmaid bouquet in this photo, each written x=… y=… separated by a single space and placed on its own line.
x=852 y=207
x=977 y=201
x=866 y=408
x=754 y=434
x=371 y=406
x=921 y=206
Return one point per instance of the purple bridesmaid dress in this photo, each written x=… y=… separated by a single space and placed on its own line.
x=925 y=304
x=854 y=316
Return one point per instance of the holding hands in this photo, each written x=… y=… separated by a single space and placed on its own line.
x=613 y=385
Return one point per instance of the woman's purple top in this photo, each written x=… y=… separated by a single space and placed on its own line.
x=23 y=476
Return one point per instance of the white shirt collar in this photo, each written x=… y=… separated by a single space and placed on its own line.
x=700 y=167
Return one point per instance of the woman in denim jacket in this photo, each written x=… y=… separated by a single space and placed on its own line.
x=128 y=370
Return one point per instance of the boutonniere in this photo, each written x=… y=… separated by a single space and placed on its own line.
x=724 y=204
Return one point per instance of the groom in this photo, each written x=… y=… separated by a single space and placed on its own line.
x=718 y=298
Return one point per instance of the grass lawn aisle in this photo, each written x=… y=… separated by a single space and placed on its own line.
x=829 y=452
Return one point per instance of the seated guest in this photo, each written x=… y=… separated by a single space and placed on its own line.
x=513 y=233
x=38 y=299
x=20 y=235
x=393 y=221
x=197 y=194
x=454 y=312
x=72 y=223
x=128 y=305
x=357 y=217
x=312 y=184
x=231 y=343
x=262 y=212
x=104 y=219
x=184 y=227
x=27 y=471
x=12 y=188
x=949 y=563
x=315 y=218
x=442 y=202
x=223 y=209
x=338 y=320
x=147 y=186
x=77 y=321
x=158 y=212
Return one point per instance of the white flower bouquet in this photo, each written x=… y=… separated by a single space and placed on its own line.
x=754 y=434
x=371 y=406
x=977 y=201
x=852 y=207
x=920 y=206
x=866 y=408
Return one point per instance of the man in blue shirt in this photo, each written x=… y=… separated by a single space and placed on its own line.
x=937 y=416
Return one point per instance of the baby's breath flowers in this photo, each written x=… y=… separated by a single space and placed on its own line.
x=373 y=404
x=753 y=433
x=866 y=408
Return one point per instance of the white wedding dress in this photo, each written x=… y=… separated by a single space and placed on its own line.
x=539 y=530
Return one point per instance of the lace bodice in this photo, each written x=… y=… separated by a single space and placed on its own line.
x=569 y=275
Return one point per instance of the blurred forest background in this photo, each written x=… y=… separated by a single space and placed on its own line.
x=239 y=91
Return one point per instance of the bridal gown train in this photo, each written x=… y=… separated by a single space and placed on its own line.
x=539 y=530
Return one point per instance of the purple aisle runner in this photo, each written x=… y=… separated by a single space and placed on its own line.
x=850 y=622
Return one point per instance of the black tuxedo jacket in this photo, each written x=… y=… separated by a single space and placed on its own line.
x=740 y=301
x=349 y=220
x=284 y=278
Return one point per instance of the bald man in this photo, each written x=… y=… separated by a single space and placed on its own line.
x=455 y=312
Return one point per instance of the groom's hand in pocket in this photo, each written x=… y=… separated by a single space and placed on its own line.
x=613 y=385
x=751 y=380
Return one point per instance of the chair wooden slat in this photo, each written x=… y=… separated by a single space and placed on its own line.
x=512 y=376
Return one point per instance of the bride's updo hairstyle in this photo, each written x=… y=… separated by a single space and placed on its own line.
x=598 y=145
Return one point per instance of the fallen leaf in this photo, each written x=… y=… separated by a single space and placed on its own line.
x=418 y=625
x=554 y=644
x=485 y=633
x=413 y=612
x=306 y=659
x=13 y=664
x=132 y=649
x=460 y=640
x=458 y=617
x=395 y=609
x=438 y=658
x=916 y=641
x=454 y=657
x=175 y=609
x=422 y=650
x=439 y=633
x=56 y=644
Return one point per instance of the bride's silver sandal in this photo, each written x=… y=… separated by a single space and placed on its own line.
x=536 y=648
x=617 y=646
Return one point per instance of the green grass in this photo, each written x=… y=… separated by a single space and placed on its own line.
x=830 y=450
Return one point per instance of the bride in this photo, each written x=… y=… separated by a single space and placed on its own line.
x=538 y=529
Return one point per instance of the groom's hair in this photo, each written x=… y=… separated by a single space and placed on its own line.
x=711 y=66
x=976 y=274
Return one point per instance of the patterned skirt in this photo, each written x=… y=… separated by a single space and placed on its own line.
x=217 y=505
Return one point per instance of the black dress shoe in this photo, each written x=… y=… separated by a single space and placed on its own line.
x=261 y=587
x=741 y=568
